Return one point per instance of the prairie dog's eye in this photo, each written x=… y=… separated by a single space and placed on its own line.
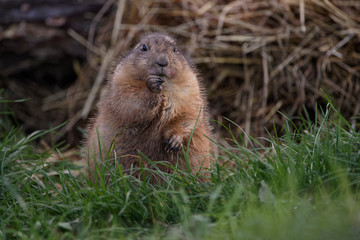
x=144 y=48
x=175 y=49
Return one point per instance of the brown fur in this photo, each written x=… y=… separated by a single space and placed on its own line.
x=140 y=114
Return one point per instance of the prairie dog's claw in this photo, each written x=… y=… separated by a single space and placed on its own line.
x=154 y=83
x=173 y=144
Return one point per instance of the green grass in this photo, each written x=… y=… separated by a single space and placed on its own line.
x=305 y=185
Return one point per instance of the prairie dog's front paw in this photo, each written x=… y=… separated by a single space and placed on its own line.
x=174 y=143
x=154 y=83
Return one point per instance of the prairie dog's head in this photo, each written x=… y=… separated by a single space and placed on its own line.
x=155 y=54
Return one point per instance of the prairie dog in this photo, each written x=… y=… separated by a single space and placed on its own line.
x=150 y=105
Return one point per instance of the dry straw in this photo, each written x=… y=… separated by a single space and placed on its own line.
x=256 y=57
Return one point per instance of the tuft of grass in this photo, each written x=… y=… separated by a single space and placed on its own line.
x=304 y=186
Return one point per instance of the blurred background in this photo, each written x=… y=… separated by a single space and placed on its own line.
x=257 y=58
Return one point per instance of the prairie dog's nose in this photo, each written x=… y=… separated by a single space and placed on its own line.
x=162 y=61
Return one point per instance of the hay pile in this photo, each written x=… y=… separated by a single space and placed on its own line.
x=256 y=57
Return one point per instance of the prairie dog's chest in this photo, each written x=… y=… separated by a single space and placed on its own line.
x=176 y=100
x=169 y=110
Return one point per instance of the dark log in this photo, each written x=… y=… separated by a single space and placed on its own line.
x=37 y=54
x=36 y=10
x=35 y=32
